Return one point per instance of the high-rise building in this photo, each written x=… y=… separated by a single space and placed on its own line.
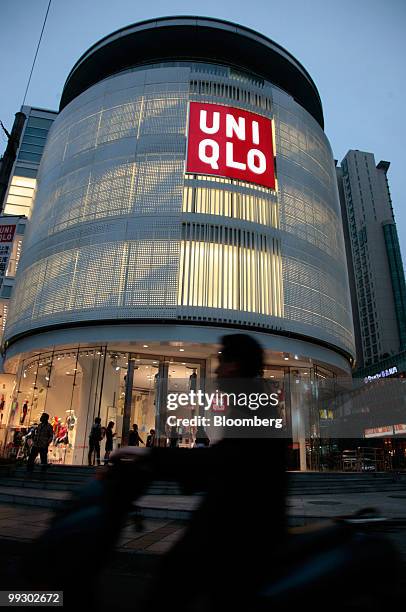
x=375 y=266
x=22 y=183
x=19 y=197
x=187 y=190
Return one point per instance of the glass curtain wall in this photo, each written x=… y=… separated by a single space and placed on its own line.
x=74 y=386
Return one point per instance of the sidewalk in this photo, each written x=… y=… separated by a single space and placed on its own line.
x=130 y=572
x=24 y=523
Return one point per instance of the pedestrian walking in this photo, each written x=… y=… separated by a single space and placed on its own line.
x=134 y=438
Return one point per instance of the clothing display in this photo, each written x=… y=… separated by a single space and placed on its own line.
x=62 y=436
x=24 y=412
x=2 y=405
x=71 y=420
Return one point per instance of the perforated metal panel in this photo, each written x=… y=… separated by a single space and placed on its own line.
x=106 y=238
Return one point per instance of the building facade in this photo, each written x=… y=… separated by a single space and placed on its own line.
x=187 y=190
x=19 y=196
x=376 y=272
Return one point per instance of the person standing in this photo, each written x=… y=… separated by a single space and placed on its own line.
x=134 y=438
x=109 y=441
x=42 y=438
x=151 y=439
x=95 y=437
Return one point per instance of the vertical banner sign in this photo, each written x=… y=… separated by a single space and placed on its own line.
x=6 y=244
x=230 y=142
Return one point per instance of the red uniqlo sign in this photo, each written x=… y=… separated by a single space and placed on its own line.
x=7 y=233
x=230 y=142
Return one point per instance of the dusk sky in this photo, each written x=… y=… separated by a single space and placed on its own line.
x=354 y=50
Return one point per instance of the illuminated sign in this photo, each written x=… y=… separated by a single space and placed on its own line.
x=230 y=142
x=379 y=432
x=400 y=428
x=383 y=374
x=7 y=233
x=6 y=244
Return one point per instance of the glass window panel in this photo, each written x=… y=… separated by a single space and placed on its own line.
x=29 y=156
x=39 y=122
x=31 y=131
x=12 y=209
x=6 y=291
x=31 y=148
x=20 y=200
x=34 y=140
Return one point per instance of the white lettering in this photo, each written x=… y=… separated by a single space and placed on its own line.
x=171 y=401
x=229 y=158
x=238 y=127
x=255 y=132
x=203 y=122
x=209 y=159
x=260 y=167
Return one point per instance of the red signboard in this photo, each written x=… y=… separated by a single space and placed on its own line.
x=230 y=142
x=7 y=233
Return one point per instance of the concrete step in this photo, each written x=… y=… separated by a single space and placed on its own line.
x=172 y=507
x=43 y=483
x=309 y=492
x=16 y=485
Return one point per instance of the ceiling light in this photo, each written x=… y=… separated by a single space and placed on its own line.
x=182 y=350
x=145 y=345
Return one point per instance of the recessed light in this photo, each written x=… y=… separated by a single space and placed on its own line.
x=145 y=345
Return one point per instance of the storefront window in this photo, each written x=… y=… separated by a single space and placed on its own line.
x=76 y=385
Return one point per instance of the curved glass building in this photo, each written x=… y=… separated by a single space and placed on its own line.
x=187 y=190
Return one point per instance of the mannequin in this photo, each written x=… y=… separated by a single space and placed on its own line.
x=24 y=411
x=2 y=403
x=71 y=421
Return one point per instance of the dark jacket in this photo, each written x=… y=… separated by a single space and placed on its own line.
x=43 y=435
x=95 y=433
